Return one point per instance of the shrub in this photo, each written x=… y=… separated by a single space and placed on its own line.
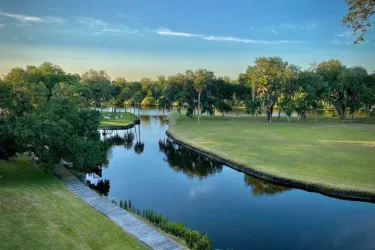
x=148 y=101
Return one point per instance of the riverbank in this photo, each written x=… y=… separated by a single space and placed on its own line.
x=329 y=156
x=39 y=212
x=121 y=120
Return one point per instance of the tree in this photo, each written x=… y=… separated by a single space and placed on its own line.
x=358 y=17
x=224 y=93
x=315 y=87
x=99 y=83
x=330 y=72
x=367 y=95
x=15 y=75
x=267 y=78
x=353 y=81
x=201 y=79
x=125 y=95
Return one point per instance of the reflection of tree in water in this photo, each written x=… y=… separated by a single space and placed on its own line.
x=116 y=140
x=145 y=120
x=261 y=187
x=102 y=186
x=187 y=161
x=162 y=119
x=139 y=145
x=129 y=139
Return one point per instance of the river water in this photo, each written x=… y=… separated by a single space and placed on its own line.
x=236 y=210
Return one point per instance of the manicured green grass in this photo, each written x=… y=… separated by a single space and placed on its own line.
x=127 y=119
x=38 y=212
x=332 y=154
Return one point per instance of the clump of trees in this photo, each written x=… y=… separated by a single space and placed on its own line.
x=45 y=111
x=269 y=83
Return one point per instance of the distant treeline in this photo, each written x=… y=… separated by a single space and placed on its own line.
x=269 y=82
x=45 y=110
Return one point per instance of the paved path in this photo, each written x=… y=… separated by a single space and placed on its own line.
x=127 y=221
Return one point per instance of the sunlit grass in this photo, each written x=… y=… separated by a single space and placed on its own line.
x=38 y=212
x=329 y=153
x=127 y=119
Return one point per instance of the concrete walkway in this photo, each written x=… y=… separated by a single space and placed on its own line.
x=127 y=221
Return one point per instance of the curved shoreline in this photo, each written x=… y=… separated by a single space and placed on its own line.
x=340 y=194
x=120 y=127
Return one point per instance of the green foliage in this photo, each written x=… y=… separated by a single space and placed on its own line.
x=86 y=153
x=44 y=112
x=358 y=17
x=267 y=79
x=148 y=101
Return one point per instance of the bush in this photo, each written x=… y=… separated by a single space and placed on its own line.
x=148 y=101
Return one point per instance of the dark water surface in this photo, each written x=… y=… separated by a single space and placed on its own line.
x=236 y=210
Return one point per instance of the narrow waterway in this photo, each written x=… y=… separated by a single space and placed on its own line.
x=236 y=210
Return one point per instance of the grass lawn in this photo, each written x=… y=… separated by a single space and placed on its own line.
x=38 y=212
x=329 y=153
x=127 y=118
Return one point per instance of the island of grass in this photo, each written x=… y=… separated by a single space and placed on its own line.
x=116 y=119
x=329 y=156
x=39 y=212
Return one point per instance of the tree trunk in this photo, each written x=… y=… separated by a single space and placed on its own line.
x=269 y=113
x=316 y=113
x=138 y=108
x=288 y=118
x=367 y=110
x=340 y=108
x=278 y=117
x=199 y=104
x=139 y=131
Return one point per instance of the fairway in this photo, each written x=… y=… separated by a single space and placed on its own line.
x=125 y=120
x=39 y=212
x=330 y=154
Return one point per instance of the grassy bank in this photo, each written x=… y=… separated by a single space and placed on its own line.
x=38 y=212
x=125 y=120
x=329 y=154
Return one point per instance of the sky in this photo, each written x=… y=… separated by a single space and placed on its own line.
x=139 y=38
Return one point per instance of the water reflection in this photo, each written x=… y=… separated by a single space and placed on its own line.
x=139 y=145
x=102 y=186
x=213 y=198
x=145 y=120
x=112 y=138
x=188 y=162
x=261 y=187
x=128 y=139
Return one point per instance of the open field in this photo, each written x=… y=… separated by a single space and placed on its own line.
x=125 y=120
x=39 y=212
x=330 y=154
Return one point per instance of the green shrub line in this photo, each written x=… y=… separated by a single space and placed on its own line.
x=193 y=238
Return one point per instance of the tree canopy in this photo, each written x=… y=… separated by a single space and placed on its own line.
x=358 y=17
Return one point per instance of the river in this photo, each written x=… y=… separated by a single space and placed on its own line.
x=236 y=210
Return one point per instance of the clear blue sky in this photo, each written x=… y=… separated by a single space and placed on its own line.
x=138 y=38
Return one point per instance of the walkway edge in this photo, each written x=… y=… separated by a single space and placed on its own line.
x=340 y=194
x=128 y=222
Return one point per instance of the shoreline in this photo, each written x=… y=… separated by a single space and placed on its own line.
x=340 y=194
x=119 y=127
